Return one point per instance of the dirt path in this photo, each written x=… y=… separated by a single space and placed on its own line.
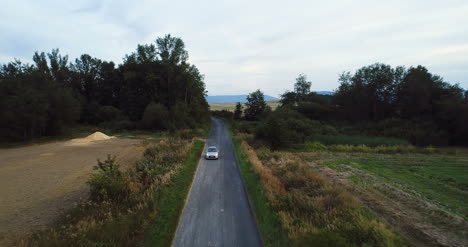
x=38 y=182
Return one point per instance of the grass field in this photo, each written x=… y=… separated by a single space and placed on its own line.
x=439 y=179
x=425 y=196
x=385 y=193
x=232 y=106
x=311 y=210
x=371 y=141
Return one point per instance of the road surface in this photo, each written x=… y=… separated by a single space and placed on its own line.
x=217 y=212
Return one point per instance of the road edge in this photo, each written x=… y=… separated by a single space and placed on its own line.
x=252 y=212
x=188 y=195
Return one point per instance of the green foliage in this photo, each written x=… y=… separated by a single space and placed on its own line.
x=302 y=87
x=238 y=111
x=255 y=106
x=33 y=105
x=156 y=117
x=434 y=110
x=285 y=128
x=171 y=199
x=108 y=184
x=50 y=94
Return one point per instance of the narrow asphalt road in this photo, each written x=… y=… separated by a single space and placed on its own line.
x=217 y=212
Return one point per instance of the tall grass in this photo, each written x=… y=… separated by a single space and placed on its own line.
x=124 y=204
x=312 y=210
x=371 y=141
x=170 y=201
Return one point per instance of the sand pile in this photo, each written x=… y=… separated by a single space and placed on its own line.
x=96 y=136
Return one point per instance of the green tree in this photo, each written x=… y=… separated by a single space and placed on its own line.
x=255 y=105
x=302 y=87
x=171 y=50
x=156 y=117
x=238 y=111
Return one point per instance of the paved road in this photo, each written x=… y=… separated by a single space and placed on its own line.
x=217 y=212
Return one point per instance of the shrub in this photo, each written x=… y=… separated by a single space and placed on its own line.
x=109 y=183
x=315 y=146
x=248 y=127
x=285 y=128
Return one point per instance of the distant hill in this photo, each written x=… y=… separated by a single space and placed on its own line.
x=217 y=99
x=325 y=92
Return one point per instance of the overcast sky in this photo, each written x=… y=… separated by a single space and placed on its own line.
x=244 y=45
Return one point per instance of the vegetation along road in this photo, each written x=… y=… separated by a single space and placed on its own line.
x=217 y=211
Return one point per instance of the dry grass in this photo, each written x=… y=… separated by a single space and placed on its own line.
x=313 y=210
x=232 y=106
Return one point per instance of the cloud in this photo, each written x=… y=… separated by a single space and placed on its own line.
x=243 y=45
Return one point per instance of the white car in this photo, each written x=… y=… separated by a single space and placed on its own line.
x=212 y=153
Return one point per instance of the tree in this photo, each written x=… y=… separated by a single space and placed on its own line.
x=288 y=98
x=238 y=111
x=171 y=50
x=302 y=87
x=255 y=105
x=156 y=117
x=370 y=93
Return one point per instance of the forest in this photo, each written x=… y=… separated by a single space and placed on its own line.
x=409 y=104
x=155 y=88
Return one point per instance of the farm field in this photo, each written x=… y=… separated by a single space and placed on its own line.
x=424 y=196
x=231 y=106
x=402 y=198
x=38 y=182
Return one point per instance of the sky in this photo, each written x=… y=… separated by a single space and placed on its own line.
x=241 y=46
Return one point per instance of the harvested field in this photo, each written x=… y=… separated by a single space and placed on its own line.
x=38 y=182
x=232 y=106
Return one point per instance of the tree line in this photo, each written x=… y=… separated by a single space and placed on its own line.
x=376 y=100
x=154 y=88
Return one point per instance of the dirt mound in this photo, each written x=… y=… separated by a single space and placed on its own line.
x=97 y=136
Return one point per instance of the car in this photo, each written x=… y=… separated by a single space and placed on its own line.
x=212 y=153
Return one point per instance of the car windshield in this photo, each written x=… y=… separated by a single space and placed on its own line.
x=212 y=150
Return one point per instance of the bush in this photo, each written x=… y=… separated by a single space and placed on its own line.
x=248 y=127
x=109 y=183
x=285 y=128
